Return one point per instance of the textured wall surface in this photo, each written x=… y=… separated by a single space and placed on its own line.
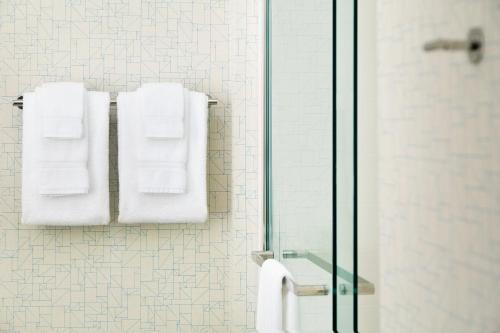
x=439 y=135
x=170 y=278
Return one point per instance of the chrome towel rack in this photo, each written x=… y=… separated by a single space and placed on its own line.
x=365 y=287
x=298 y=289
x=19 y=102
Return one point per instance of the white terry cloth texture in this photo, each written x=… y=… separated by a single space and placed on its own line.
x=277 y=305
x=63 y=107
x=162 y=110
x=163 y=161
x=91 y=208
x=63 y=150
x=137 y=207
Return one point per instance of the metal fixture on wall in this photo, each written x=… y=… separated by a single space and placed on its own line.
x=473 y=45
x=19 y=102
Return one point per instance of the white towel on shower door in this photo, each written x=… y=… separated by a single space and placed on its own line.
x=277 y=305
x=91 y=208
x=137 y=207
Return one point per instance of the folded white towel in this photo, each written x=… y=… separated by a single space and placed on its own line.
x=277 y=305
x=161 y=177
x=137 y=207
x=63 y=107
x=162 y=110
x=63 y=178
x=85 y=209
x=62 y=160
x=162 y=162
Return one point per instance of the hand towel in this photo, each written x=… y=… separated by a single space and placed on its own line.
x=277 y=305
x=162 y=162
x=137 y=207
x=162 y=110
x=63 y=107
x=91 y=208
x=62 y=160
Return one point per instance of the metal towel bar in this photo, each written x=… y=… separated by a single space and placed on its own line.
x=365 y=287
x=299 y=289
x=19 y=102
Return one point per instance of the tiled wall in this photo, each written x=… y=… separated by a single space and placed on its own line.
x=169 y=278
x=439 y=136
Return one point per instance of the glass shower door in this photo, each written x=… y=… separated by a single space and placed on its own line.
x=346 y=233
x=310 y=147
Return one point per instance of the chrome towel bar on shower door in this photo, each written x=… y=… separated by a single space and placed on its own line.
x=365 y=287
x=299 y=289
x=19 y=102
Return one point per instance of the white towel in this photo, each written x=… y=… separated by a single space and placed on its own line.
x=162 y=162
x=162 y=110
x=85 y=209
x=277 y=305
x=62 y=160
x=63 y=107
x=136 y=207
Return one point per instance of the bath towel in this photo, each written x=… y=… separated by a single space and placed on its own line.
x=138 y=207
x=91 y=208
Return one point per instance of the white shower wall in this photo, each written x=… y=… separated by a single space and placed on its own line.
x=439 y=171
x=168 y=278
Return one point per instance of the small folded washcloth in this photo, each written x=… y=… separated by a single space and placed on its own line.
x=162 y=110
x=63 y=108
x=162 y=162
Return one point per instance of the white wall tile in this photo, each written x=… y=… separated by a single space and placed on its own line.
x=439 y=169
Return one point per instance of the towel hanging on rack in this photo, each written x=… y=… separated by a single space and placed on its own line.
x=90 y=208
x=141 y=207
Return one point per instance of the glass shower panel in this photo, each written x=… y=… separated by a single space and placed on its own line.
x=300 y=121
x=345 y=151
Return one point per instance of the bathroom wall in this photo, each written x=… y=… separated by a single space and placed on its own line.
x=439 y=134
x=368 y=224
x=170 y=278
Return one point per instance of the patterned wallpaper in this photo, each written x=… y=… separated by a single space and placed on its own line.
x=169 y=278
x=439 y=135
